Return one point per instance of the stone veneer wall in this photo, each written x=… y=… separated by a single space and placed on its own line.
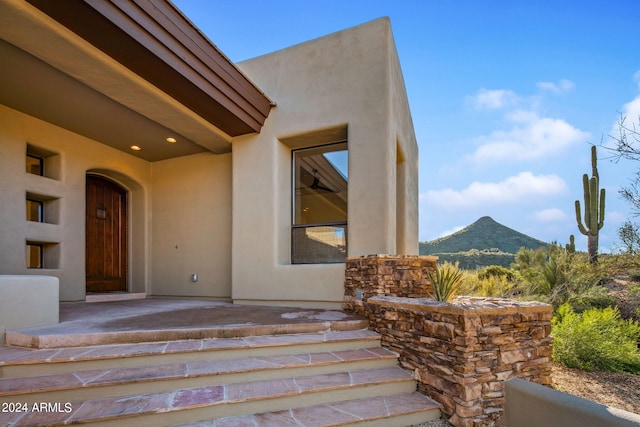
x=463 y=352
x=390 y=275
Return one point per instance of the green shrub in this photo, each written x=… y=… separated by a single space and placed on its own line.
x=593 y=297
x=555 y=276
x=491 y=286
x=491 y=281
x=446 y=281
x=497 y=271
x=597 y=339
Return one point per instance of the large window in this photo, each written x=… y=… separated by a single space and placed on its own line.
x=319 y=229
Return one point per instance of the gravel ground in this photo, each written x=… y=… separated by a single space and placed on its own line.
x=621 y=391
x=435 y=423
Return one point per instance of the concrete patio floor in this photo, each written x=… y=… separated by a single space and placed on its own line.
x=156 y=319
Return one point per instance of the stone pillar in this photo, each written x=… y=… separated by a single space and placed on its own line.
x=390 y=275
x=463 y=352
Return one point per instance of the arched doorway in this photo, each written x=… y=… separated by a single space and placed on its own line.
x=106 y=235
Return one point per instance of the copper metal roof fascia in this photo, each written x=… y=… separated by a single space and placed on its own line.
x=157 y=42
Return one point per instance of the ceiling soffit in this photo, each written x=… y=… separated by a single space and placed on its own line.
x=42 y=91
x=157 y=42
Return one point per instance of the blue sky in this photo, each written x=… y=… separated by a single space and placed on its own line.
x=506 y=96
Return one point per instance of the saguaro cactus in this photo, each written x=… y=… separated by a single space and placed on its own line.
x=571 y=246
x=593 y=208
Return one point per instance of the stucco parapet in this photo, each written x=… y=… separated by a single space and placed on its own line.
x=28 y=301
x=465 y=306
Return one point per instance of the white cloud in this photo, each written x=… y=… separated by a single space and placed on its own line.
x=631 y=112
x=552 y=214
x=492 y=99
x=521 y=188
x=563 y=86
x=521 y=116
x=531 y=136
x=632 y=109
x=532 y=139
x=449 y=232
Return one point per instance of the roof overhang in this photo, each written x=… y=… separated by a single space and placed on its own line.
x=125 y=72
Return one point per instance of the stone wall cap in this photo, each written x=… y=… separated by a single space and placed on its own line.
x=387 y=256
x=27 y=277
x=462 y=305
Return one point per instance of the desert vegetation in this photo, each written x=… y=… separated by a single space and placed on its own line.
x=596 y=305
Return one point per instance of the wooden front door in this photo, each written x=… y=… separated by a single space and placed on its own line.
x=106 y=236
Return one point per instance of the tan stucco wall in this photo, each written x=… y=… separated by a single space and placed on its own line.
x=407 y=193
x=190 y=198
x=191 y=210
x=348 y=80
x=528 y=404
x=192 y=226
x=77 y=155
x=228 y=218
x=27 y=302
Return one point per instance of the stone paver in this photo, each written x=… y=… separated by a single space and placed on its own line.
x=110 y=353
x=105 y=377
x=333 y=414
x=151 y=320
x=119 y=407
x=17 y=355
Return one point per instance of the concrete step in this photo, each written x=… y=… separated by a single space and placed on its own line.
x=397 y=410
x=219 y=401
x=28 y=362
x=101 y=383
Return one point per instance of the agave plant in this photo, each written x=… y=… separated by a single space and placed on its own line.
x=446 y=282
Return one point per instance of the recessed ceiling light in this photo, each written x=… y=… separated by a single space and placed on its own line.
x=135 y=148
x=172 y=140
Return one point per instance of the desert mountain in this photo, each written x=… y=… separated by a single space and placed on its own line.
x=485 y=242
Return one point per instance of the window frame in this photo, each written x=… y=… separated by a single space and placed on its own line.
x=40 y=247
x=40 y=163
x=40 y=205
x=297 y=226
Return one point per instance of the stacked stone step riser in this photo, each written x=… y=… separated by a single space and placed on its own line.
x=143 y=382
x=59 y=365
